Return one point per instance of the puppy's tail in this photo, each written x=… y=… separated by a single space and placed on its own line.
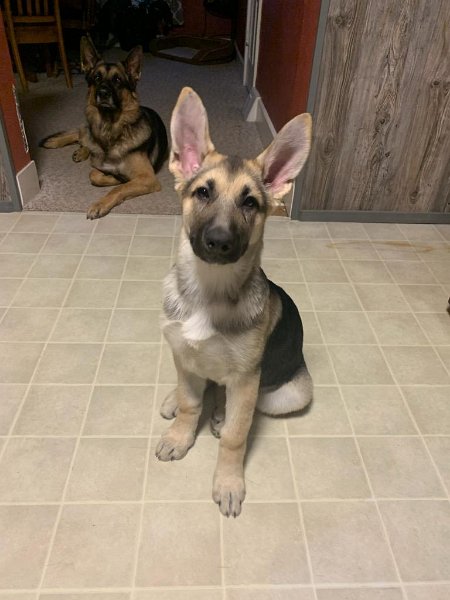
x=60 y=139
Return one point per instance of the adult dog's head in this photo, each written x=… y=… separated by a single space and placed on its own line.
x=226 y=199
x=112 y=86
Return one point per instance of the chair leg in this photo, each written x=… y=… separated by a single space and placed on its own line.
x=19 y=67
x=65 y=64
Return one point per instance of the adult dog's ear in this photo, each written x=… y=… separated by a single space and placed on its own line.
x=189 y=130
x=283 y=160
x=89 y=55
x=133 y=64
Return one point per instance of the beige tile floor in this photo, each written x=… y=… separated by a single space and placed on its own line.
x=346 y=502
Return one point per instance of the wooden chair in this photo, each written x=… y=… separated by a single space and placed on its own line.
x=34 y=22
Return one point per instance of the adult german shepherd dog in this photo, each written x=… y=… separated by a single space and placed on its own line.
x=233 y=333
x=126 y=142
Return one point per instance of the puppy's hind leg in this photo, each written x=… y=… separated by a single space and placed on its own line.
x=290 y=397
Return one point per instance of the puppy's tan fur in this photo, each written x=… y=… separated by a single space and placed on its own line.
x=219 y=317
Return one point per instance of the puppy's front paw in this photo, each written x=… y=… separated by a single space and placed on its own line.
x=229 y=494
x=169 y=406
x=97 y=210
x=173 y=446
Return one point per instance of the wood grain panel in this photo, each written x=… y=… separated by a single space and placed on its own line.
x=382 y=111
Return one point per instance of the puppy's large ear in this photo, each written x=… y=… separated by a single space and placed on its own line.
x=283 y=160
x=89 y=55
x=133 y=64
x=189 y=130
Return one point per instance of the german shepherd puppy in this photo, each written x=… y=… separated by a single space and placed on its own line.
x=126 y=142
x=232 y=331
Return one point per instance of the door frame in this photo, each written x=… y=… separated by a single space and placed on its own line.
x=15 y=204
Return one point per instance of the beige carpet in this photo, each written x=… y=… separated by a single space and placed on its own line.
x=50 y=107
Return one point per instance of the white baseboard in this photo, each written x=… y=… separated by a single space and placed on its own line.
x=28 y=182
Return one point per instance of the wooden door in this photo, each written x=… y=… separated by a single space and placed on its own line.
x=382 y=109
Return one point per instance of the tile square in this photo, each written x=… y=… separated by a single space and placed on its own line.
x=415 y=365
x=333 y=297
x=108 y=469
x=425 y=298
x=356 y=250
x=385 y=297
x=39 y=293
x=35 y=222
x=398 y=250
x=359 y=365
x=8 y=289
x=68 y=363
x=101 y=267
x=262 y=559
x=277 y=228
x=109 y=245
x=439 y=448
x=18 y=526
x=280 y=593
x=311 y=331
x=147 y=268
x=118 y=224
x=326 y=415
x=120 y=410
x=436 y=326
x=129 y=363
x=348 y=231
x=85 y=596
x=431 y=408
x=140 y=294
x=444 y=230
x=81 y=325
x=367 y=271
x=8 y=220
x=383 y=231
x=27 y=324
x=53 y=410
x=187 y=479
x=18 y=361
x=267 y=470
x=23 y=243
x=281 y=271
x=397 y=328
x=440 y=270
x=319 y=464
x=319 y=365
x=12 y=396
x=135 y=326
x=339 y=534
x=299 y=294
x=419 y=532
x=323 y=271
x=92 y=294
x=35 y=469
x=345 y=328
x=94 y=546
x=416 y=231
x=15 y=265
x=399 y=467
x=145 y=245
x=377 y=410
x=159 y=226
x=63 y=267
x=66 y=243
x=74 y=223
x=308 y=229
x=410 y=272
x=444 y=353
x=315 y=248
x=368 y=593
x=279 y=248
x=428 y=592
x=195 y=527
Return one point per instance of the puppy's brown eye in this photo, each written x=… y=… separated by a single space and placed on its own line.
x=202 y=193
x=250 y=202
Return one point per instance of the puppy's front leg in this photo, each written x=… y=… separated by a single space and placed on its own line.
x=229 y=484
x=180 y=436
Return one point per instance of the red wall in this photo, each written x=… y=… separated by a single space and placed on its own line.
x=8 y=106
x=287 y=42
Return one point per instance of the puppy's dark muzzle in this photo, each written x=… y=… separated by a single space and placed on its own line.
x=218 y=245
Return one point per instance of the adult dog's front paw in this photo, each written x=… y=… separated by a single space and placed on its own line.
x=173 y=446
x=97 y=210
x=80 y=154
x=229 y=494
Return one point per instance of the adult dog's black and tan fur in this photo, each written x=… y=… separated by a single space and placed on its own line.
x=126 y=142
x=232 y=331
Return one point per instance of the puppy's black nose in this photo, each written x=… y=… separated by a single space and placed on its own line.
x=103 y=93
x=218 y=241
